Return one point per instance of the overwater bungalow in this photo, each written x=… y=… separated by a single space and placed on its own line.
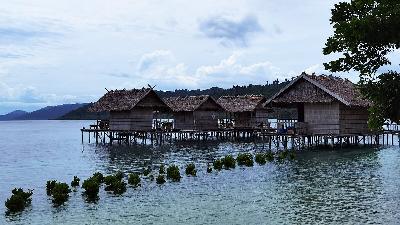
x=131 y=110
x=194 y=112
x=246 y=111
x=326 y=105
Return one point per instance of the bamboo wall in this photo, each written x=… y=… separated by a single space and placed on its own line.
x=322 y=118
x=138 y=119
x=335 y=119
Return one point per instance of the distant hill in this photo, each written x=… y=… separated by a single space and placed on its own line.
x=268 y=90
x=13 y=115
x=82 y=113
x=46 y=113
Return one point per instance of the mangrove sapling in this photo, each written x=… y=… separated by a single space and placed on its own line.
x=162 y=169
x=98 y=177
x=269 y=156
x=115 y=183
x=147 y=171
x=134 y=179
x=91 y=186
x=282 y=155
x=191 y=169
x=18 y=200
x=173 y=173
x=60 y=193
x=229 y=162
x=160 y=179
x=119 y=175
x=292 y=155
x=245 y=159
x=75 y=182
x=217 y=164
x=260 y=158
x=49 y=186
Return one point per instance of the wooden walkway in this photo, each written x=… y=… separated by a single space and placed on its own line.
x=268 y=137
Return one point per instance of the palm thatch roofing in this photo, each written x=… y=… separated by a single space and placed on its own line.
x=320 y=89
x=241 y=103
x=121 y=100
x=188 y=103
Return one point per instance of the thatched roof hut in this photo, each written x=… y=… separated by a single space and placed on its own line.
x=131 y=109
x=244 y=111
x=326 y=104
x=194 y=112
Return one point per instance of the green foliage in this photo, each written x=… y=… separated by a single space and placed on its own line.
x=98 y=177
x=385 y=93
x=18 y=200
x=229 y=162
x=162 y=169
x=160 y=179
x=260 y=158
x=173 y=173
x=60 y=193
x=75 y=182
x=115 y=183
x=191 y=169
x=245 y=159
x=365 y=32
x=134 y=179
x=119 y=175
x=50 y=185
x=147 y=171
x=283 y=155
x=269 y=156
x=218 y=164
x=91 y=186
x=292 y=155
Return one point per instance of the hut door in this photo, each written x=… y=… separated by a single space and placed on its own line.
x=300 y=112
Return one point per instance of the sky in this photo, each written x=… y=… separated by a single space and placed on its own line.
x=67 y=51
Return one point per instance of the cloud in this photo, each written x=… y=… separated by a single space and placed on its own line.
x=230 y=32
x=231 y=72
x=314 y=69
x=161 y=68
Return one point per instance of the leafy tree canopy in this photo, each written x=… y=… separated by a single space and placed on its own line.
x=365 y=31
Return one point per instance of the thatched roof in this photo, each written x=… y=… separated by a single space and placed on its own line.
x=188 y=103
x=243 y=103
x=325 y=89
x=120 y=100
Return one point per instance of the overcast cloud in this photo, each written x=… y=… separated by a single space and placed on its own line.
x=65 y=51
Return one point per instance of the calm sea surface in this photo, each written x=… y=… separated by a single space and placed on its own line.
x=352 y=186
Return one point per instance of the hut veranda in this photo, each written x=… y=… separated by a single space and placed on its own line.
x=326 y=107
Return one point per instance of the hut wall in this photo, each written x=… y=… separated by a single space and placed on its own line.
x=184 y=120
x=322 y=118
x=137 y=119
x=206 y=120
x=353 y=120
